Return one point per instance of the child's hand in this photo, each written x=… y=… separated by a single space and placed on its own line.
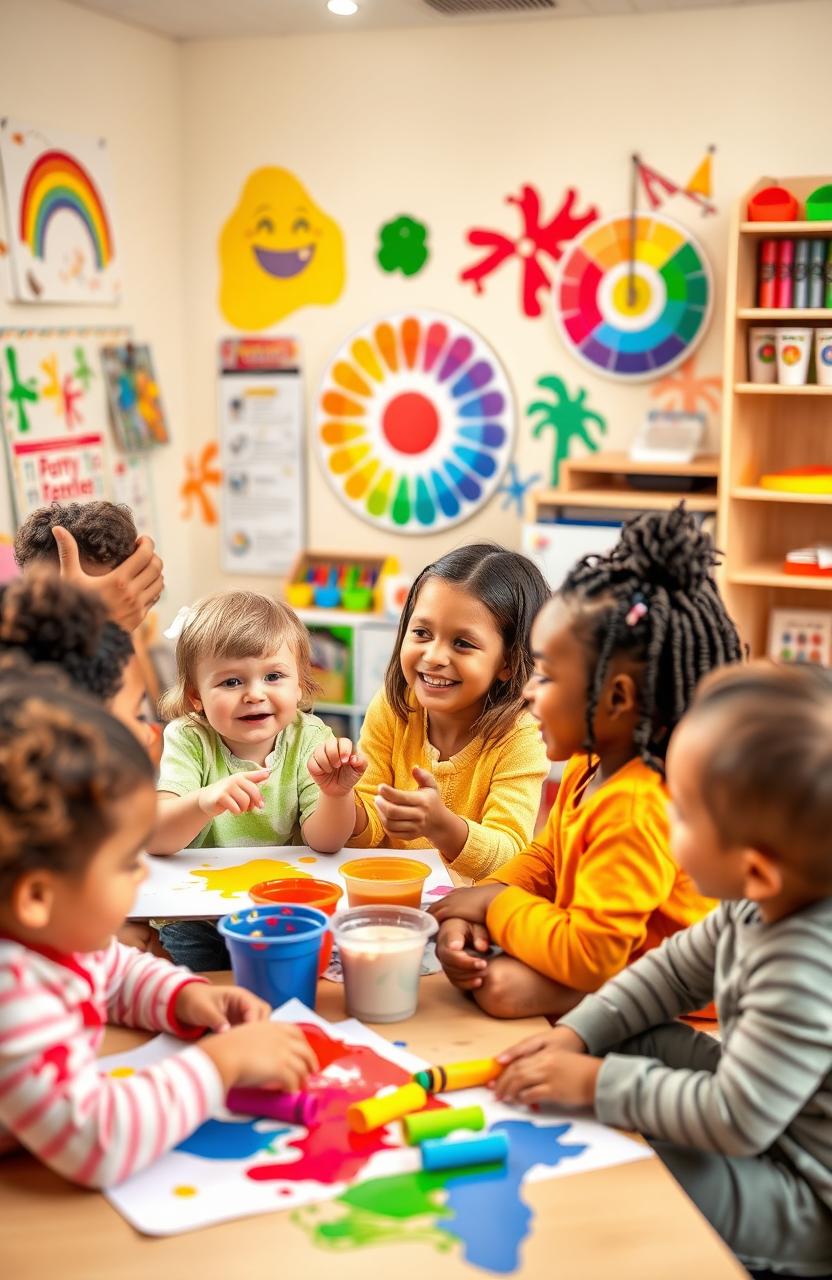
x=200 y=1004
x=467 y=904
x=235 y=794
x=454 y=943
x=336 y=766
x=411 y=814
x=551 y=1067
x=269 y=1055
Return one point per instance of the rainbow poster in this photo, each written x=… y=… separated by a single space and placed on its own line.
x=415 y=422
x=59 y=219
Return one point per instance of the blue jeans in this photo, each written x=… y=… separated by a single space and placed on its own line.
x=195 y=943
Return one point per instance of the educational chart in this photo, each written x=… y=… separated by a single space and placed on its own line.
x=135 y=400
x=415 y=422
x=208 y=883
x=262 y=448
x=59 y=209
x=235 y=1166
x=633 y=297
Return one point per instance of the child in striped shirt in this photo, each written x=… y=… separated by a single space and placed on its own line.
x=744 y=1125
x=77 y=802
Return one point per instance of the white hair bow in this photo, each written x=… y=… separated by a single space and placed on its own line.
x=179 y=623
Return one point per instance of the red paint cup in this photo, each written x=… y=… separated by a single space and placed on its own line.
x=303 y=891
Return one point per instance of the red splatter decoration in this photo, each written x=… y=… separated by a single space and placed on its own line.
x=537 y=240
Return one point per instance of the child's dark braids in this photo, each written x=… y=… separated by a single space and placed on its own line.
x=654 y=599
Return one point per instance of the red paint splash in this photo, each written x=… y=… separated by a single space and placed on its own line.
x=329 y=1151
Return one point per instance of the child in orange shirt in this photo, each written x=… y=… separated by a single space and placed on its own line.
x=618 y=653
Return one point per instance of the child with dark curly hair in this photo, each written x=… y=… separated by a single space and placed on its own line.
x=618 y=653
x=77 y=803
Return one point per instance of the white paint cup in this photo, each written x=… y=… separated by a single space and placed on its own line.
x=823 y=356
x=762 y=353
x=381 y=948
x=794 y=346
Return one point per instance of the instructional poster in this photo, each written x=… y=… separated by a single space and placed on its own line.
x=261 y=442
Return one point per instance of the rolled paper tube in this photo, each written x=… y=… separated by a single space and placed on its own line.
x=492 y=1149
x=458 y=1075
x=436 y=1124
x=295 y=1108
x=372 y=1113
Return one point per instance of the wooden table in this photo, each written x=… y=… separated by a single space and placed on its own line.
x=631 y=1221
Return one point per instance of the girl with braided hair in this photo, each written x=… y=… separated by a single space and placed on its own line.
x=77 y=804
x=619 y=651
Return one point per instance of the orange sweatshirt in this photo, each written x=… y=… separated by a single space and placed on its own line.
x=599 y=887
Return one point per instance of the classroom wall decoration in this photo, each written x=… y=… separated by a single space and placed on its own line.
x=278 y=251
x=568 y=418
x=514 y=489
x=633 y=297
x=402 y=246
x=202 y=474
x=538 y=246
x=135 y=400
x=658 y=188
x=234 y=1166
x=59 y=207
x=685 y=389
x=415 y=422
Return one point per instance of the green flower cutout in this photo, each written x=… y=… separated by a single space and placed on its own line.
x=402 y=246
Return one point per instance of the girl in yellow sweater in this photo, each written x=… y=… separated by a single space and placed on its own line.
x=618 y=653
x=451 y=719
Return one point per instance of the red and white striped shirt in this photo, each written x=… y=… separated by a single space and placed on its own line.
x=93 y=1128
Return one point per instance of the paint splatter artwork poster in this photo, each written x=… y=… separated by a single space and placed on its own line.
x=345 y=1191
x=59 y=216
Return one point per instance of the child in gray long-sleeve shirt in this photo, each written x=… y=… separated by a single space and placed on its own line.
x=745 y=1125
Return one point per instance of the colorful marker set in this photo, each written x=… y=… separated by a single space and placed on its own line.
x=333 y=581
x=794 y=273
x=429 y=1129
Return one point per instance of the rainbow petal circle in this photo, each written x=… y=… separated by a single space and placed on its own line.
x=415 y=422
x=633 y=321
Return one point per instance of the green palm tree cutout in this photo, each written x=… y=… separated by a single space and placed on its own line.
x=567 y=417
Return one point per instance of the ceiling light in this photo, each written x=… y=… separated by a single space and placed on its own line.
x=344 y=8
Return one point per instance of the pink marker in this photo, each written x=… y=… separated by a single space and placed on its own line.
x=294 y=1108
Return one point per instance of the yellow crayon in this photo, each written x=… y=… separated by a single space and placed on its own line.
x=372 y=1113
x=458 y=1075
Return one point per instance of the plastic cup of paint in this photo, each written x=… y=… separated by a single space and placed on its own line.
x=275 y=950
x=794 y=346
x=307 y=892
x=762 y=353
x=398 y=881
x=823 y=356
x=381 y=951
x=300 y=595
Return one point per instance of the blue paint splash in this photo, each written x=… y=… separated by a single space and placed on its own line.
x=229 y=1139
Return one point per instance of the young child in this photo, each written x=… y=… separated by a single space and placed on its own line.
x=236 y=760
x=451 y=717
x=745 y=1125
x=77 y=801
x=618 y=652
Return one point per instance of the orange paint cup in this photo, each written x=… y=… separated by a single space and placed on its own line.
x=306 y=892
x=398 y=881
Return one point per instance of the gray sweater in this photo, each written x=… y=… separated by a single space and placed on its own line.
x=773 y=989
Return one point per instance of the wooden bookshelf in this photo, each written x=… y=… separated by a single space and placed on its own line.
x=599 y=482
x=768 y=428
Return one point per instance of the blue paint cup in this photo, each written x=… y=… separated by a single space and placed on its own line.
x=275 y=950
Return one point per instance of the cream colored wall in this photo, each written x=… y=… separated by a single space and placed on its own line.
x=63 y=67
x=444 y=124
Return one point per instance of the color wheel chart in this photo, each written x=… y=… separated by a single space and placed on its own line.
x=640 y=335
x=415 y=422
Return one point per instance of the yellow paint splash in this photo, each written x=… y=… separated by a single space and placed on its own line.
x=232 y=881
x=121 y=1073
x=307 y=859
x=184 y=1191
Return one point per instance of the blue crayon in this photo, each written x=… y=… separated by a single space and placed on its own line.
x=441 y=1154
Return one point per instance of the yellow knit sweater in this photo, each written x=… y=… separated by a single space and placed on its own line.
x=494 y=785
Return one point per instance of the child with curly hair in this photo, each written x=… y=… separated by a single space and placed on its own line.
x=77 y=802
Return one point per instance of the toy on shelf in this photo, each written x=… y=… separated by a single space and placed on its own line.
x=819 y=204
x=800 y=635
x=773 y=204
x=332 y=581
x=810 y=562
x=799 y=480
